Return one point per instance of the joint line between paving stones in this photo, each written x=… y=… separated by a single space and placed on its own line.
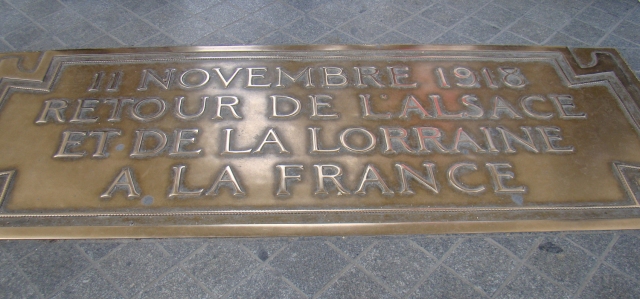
x=119 y=247
x=350 y=265
x=524 y=264
x=24 y=275
x=148 y=285
x=506 y=28
x=467 y=17
x=222 y=30
x=271 y=257
x=512 y=275
x=260 y=41
x=286 y=280
x=389 y=28
x=60 y=287
x=593 y=270
x=333 y=28
x=92 y=25
x=8 y=44
x=354 y=262
x=140 y=17
x=635 y=280
x=253 y=272
x=368 y=273
x=17 y=266
x=195 y=279
x=619 y=21
x=334 y=279
x=538 y=271
x=145 y=287
x=263 y=265
x=26 y=16
x=465 y=280
x=620 y=271
x=441 y=263
x=188 y=273
x=253 y=14
x=579 y=246
x=471 y=15
x=177 y=265
x=103 y=274
x=438 y=263
x=584 y=7
x=160 y=30
x=456 y=274
x=32 y=251
x=419 y=15
x=293 y=286
x=448 y=29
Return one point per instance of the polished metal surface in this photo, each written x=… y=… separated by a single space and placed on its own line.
x=246 y=141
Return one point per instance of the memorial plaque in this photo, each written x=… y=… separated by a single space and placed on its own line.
x=316 y=140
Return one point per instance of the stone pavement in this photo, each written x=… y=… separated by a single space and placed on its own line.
x=536 y=265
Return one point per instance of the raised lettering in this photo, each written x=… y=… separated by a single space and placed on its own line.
x=271 y=137
x=124 y=181
x=565 y=106
x=137 y=114
x=85 y=106
x=70 y=139
x=254 y=75
x=371 y=176
x=294 y=104
x=177 y=186
x=179 y=141
x=305 y=73
x=53 y=109
x=334 y=177
x=231 y=107
x=407 y=173
x=500 y=176
x=149 y=75
x=399 y=74
x=452 y=177
x=226 y=179
x=286 y=177
x=139 y=149
x=319 y=104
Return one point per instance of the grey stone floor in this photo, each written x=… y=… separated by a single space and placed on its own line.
x=540 y=265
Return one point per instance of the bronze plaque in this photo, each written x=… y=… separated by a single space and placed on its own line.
x=250 y=141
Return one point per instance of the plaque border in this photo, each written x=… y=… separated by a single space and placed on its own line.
x=577 y=67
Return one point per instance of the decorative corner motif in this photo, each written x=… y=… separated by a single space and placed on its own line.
x=30 y=62
x=6 y=177
x=629 y=176
x=588 y=58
